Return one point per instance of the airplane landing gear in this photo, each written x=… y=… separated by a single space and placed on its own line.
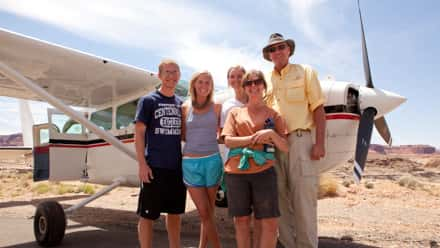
x=50 y=217
x=49 y=223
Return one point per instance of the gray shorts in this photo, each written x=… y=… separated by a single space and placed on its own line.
x=256 y=193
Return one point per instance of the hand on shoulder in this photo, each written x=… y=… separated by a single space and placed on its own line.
x=186 y=104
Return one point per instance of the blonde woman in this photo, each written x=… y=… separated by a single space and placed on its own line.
x=202 y=165
x=251 y=133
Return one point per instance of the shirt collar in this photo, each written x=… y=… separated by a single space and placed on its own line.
x=284 y=71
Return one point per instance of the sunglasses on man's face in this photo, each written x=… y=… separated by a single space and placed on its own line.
x=251 y=82
x=273 y=49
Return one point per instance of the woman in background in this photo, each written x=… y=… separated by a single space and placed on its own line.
x=235 y=75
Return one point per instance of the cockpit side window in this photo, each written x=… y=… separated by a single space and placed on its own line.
x=72 y=127
x=352 y=101
x=103 y=118
x=351 y=106
x=125 y=114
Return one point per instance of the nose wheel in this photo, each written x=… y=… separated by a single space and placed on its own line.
x=49 y=223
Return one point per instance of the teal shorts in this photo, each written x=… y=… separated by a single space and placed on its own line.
x=202 y=172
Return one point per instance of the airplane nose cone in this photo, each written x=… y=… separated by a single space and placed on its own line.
x=383 y=101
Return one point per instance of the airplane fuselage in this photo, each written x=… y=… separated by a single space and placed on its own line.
x=79 y=155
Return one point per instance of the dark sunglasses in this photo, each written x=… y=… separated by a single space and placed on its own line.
x=273 y=49
x=251 y=82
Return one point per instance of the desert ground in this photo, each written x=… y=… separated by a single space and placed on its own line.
x=396 y=205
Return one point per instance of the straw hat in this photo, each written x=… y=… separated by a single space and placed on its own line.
x=276 y=38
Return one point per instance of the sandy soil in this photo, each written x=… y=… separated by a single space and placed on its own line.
x=396 y=205
x=382 y=213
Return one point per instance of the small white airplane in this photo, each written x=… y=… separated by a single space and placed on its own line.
x=88 y=146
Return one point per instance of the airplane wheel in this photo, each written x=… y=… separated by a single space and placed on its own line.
x=221 y=200
x=49 y=223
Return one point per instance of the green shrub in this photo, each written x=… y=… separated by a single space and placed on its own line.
x=328 y=187
x=409 y=182
x=87 y=189
x=369 y=184
x=64 y=188
x=29 y=175
x=41 y=188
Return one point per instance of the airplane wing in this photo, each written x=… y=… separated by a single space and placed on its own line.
x=74 y=77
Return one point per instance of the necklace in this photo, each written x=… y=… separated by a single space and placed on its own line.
x=200 y=106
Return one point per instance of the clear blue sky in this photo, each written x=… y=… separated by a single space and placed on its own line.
x=402 y=38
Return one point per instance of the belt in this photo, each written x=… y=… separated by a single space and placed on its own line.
x=299 y=132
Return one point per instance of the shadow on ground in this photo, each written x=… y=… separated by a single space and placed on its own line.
x=329 y=242
x=111 y=239
x=114 y=239
x=101 y=227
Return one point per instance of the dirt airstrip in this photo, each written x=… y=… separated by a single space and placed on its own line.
x=396 y=205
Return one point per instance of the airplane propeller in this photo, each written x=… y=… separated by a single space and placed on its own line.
x=365 y=59
x=384 y=131
x=367 y=118
x=363 y=141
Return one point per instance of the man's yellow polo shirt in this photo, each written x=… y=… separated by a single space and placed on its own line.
x=295 y=94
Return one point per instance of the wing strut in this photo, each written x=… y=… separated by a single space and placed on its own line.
x=20 y=79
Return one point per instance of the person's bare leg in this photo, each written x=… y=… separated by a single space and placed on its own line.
x=173 y=228
x=208 y=230
x=269 y=230
x=256 y=233
x=203 y=239
x=212 y=192
x=145 y=232
x=242 y=231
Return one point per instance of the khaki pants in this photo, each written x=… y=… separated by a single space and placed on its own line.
x=298 y=190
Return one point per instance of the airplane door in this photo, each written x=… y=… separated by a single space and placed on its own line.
x=68 y=147
x=41 y=151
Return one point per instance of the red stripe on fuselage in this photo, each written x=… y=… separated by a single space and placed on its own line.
x=41 y=149
x=45 y=149
x=342 y=117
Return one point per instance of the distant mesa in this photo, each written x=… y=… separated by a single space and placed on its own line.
x=11 y=140
x=377 y=148
x=403 y=149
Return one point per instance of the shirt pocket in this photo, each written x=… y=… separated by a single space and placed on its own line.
x=295 y=92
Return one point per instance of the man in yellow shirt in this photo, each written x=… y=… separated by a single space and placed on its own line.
x=295 y=92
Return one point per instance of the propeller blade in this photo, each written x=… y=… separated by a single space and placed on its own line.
x=366 y=62
x=363 y=142
x=384 y=131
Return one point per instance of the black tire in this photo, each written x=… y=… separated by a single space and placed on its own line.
x=49 y=223
x=221 y=200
